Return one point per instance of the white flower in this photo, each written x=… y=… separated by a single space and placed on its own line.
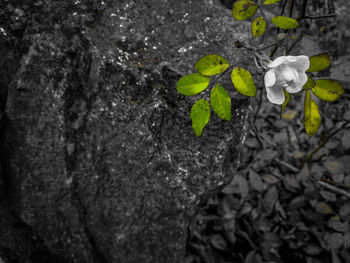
x=286 y=72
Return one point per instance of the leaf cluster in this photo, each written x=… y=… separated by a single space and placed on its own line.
x=220 y=101
x=245 y=9
x=324 y=89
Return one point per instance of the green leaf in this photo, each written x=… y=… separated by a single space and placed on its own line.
x=319 y=62
x=312 y=118
x=285 y=101
x=309 y=84
x=270 y=2
x=200 y=115
x=210 y=65
x=243 y=9
x=243 y=82
x=192 y=84
x=221 y=102
x=258 y=26
x=327 y=90
x=284 y=22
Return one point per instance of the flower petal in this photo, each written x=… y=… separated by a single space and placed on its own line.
x=302 y=79
x=270 y=78
x=275 y=94
x=278 y=61
x=282 y=60
x=302 y=63
x=293 y=87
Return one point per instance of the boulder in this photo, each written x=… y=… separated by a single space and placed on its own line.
x=99 y=160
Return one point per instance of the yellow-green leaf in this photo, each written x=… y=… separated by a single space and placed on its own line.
x=243 y=82
x=285 y=101
x=221 y=102
x=323 y=208
x=258 y=26
x=200 y=115
x=327 y=90
x=192 y=84
x=270 y=2
x=309 y=84
x=210 y=65
x=289 y=115
x=284 y=22
x=312 y=118
x=319 y=62
x=243 y=9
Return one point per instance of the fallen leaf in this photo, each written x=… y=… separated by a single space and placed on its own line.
x=334 y=240
x=344 y=211
x=323 y=208
x=334 y=167
x=328 y=196
x=255 y=181
x=335 y=224
x=270 y=179
x=313 y=249
x=269 y=200
x=345 y=140
x=218 y=242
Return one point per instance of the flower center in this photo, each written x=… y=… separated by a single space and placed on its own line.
x=290 y=75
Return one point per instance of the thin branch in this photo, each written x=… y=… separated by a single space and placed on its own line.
x=309 y=157
x=287 y=165
x=273 y=51
x=283 y=7
x=334 y=189
x=318 y=17
x=257 y=134
x=291 y=8
x=264 y=47
x=303 y=10
x=259 y=106
x=300 y=37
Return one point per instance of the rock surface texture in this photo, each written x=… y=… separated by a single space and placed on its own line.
x=99 y=162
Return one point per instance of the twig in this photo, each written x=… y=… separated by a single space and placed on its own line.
x=291 y=8
x=300 y=37
x=317 y=17
x=259 y=106
x=334 y=189
x=264 y=47
x=257 y=134
x=283 y=7
x=289 y=166
x=309 y=157
x=273 y=51
x=303 y=10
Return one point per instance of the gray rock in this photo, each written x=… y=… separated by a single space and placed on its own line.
x=101 y=162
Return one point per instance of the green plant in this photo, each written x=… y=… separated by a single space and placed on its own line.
x=284 y=75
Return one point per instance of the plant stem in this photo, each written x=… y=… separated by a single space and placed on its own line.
x=273 y=51
x=291 y=8
x=300 y=37
x=258 y=109
x=303 y=10
x=317 y=17
x=309 y=157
